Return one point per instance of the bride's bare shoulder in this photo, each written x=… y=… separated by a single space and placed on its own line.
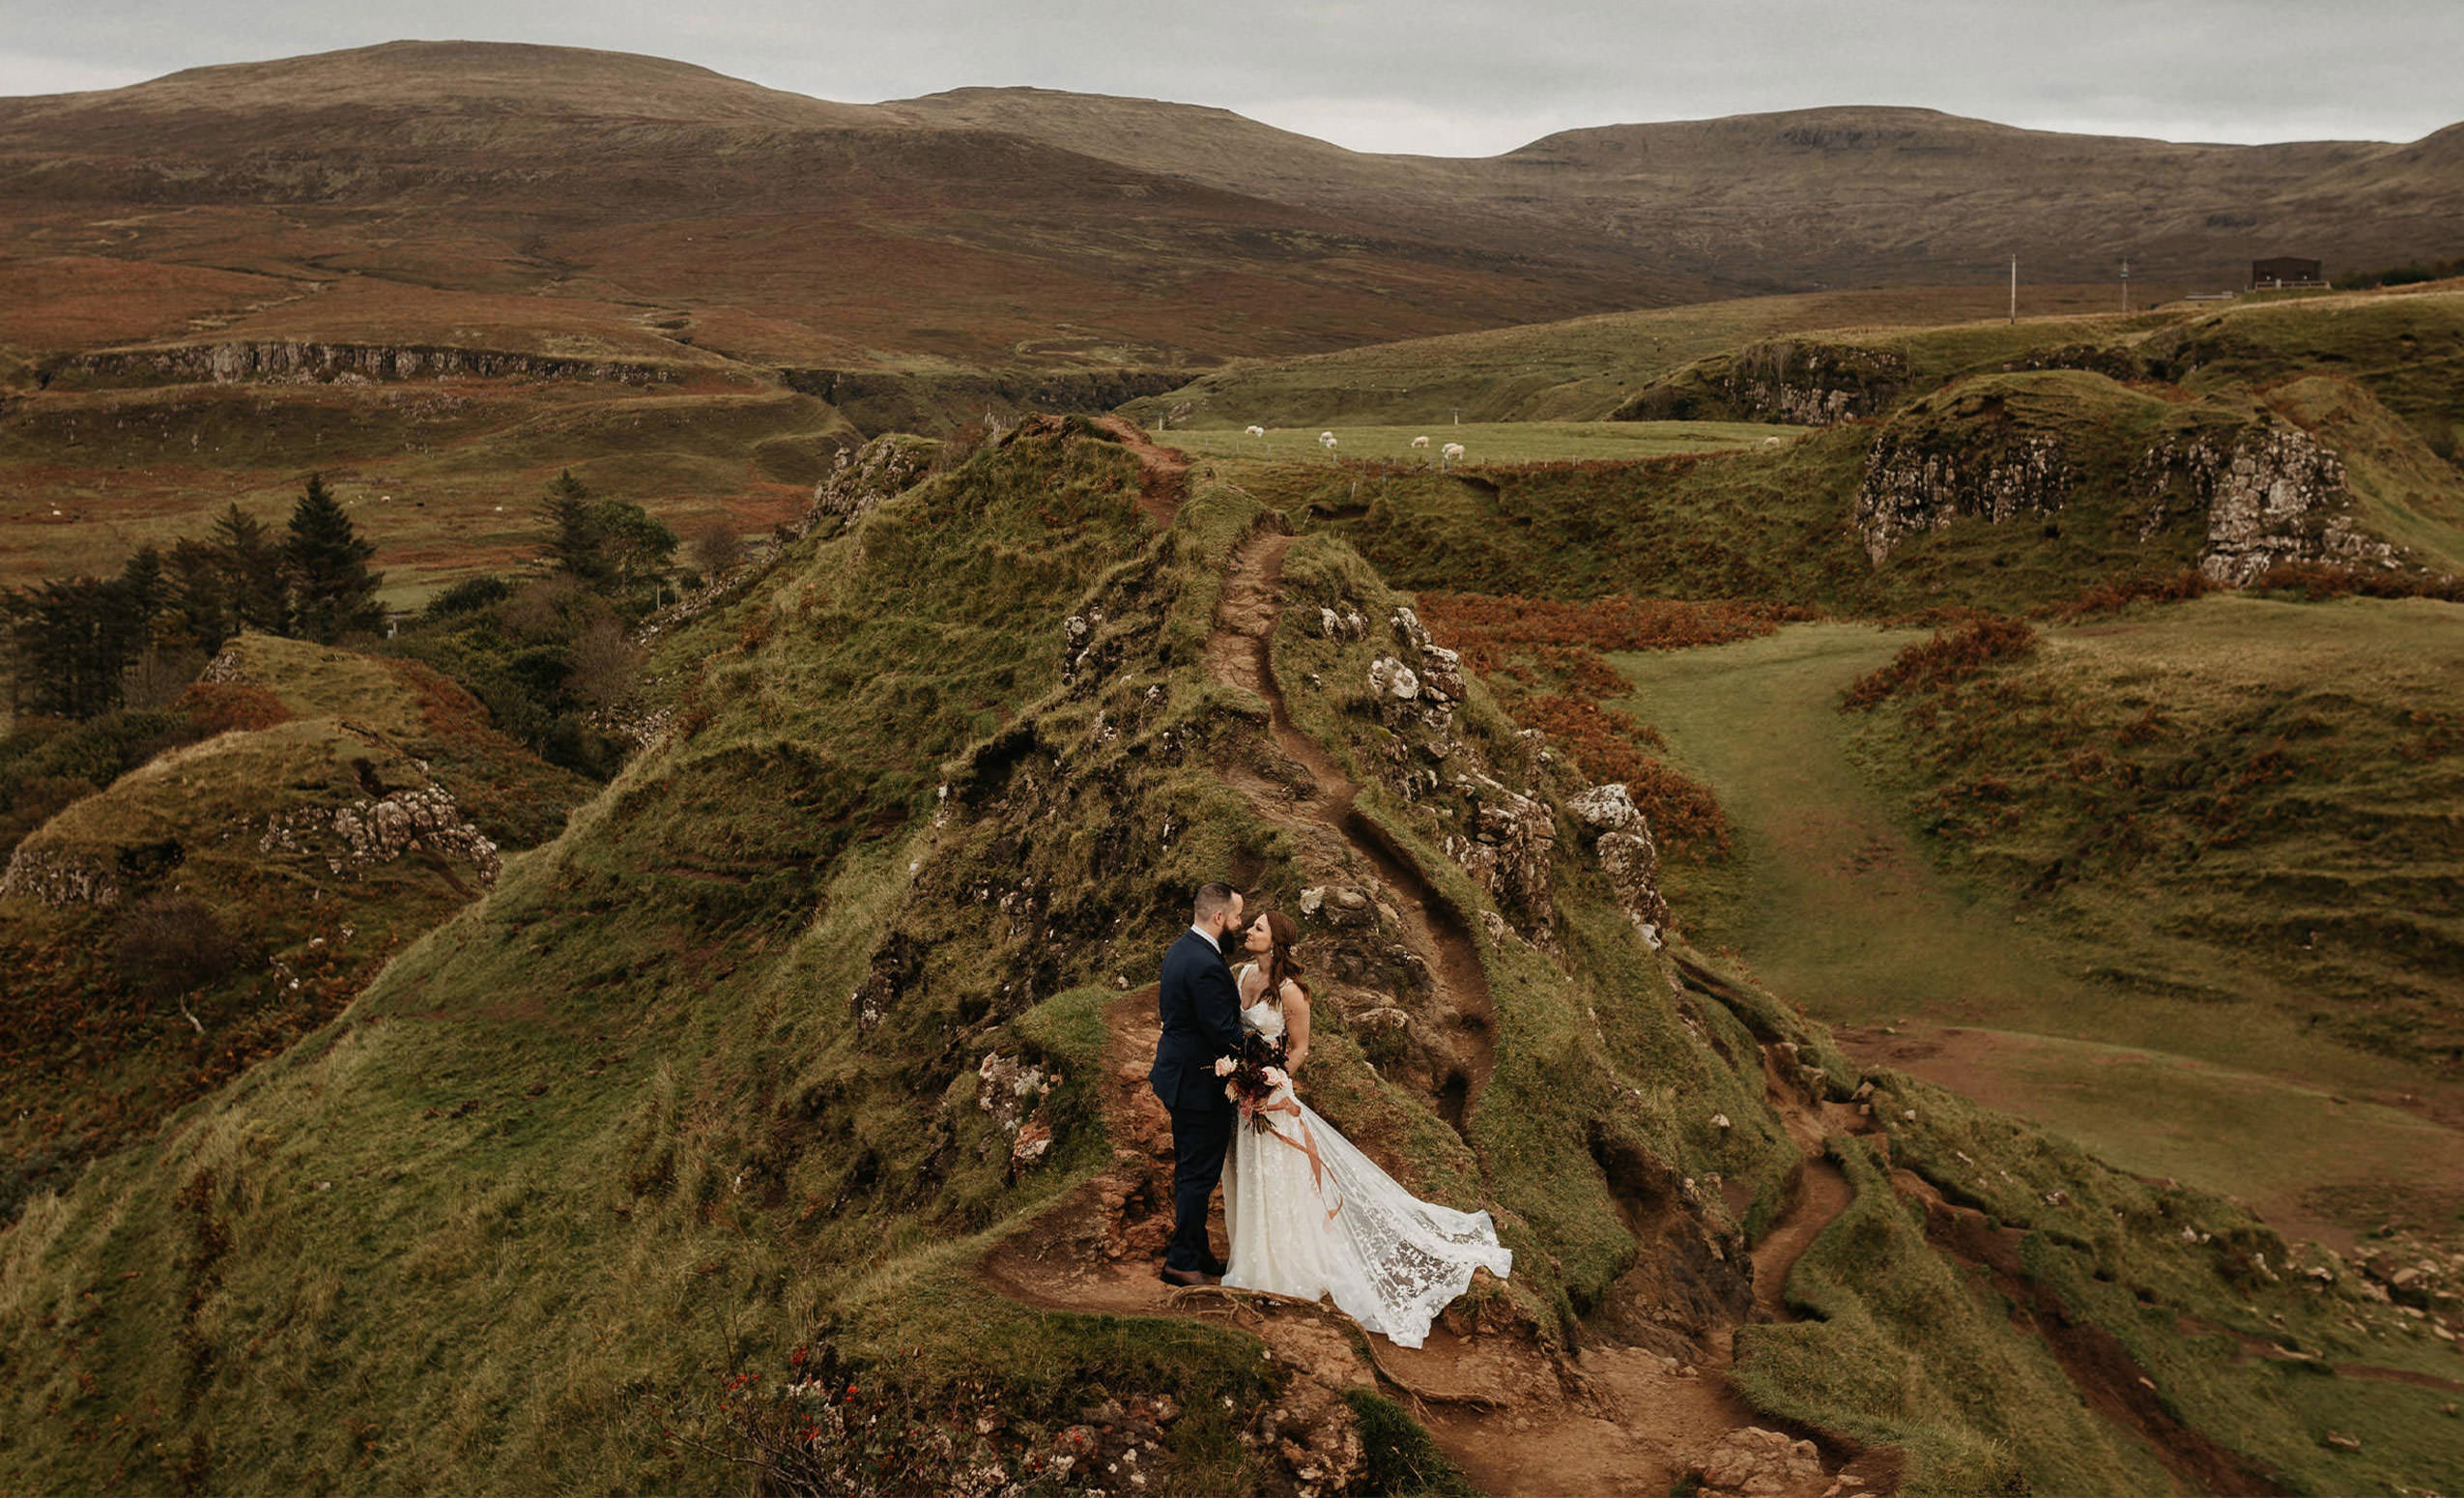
x=1294 y=996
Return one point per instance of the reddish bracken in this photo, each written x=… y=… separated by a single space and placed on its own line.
x=1955 y=652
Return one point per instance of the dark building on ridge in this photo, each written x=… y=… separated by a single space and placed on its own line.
x=2284 y=270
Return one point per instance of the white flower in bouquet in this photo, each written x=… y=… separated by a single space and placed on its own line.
x=1275 y=1077
x=1225 y=1066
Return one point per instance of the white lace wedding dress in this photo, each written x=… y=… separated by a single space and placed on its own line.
x=1310 y=1216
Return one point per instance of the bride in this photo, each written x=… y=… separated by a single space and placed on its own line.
x=1310 y=1216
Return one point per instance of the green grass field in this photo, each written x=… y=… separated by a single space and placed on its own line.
x=1484 y=443
x=1839 y=897
x=1582 y=368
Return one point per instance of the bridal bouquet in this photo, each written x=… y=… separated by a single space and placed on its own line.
x=1249 y=1079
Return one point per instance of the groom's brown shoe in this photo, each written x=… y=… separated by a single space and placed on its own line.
x=1186 y=1279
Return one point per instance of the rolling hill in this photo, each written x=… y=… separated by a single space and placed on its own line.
x=774 y=1111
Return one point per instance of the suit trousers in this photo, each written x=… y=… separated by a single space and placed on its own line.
x=1201 y=1138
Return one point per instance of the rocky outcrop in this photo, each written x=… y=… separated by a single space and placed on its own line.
x=1507 y=851
x=2270 y=493
x=1620 y=838
x=293 y=362
x=862 y=477
x=1795 y=381
x=1917 y=481
x=1013 y=1093
x=2115 y=364
x=370 y=832
x=1812 y=384
x=1506 y=837
x=58 y=879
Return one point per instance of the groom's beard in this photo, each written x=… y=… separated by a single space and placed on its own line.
x=1225 y=945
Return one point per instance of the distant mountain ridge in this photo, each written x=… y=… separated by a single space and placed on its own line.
x=974 y=223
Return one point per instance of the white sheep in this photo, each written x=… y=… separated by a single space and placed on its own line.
x=1451 y=452
x=1254 y=431
x=1326 y=439
x=1420 y=442
x=1770 y=441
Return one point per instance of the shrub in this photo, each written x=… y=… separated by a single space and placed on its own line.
x=169 y=945
x=2316 y=581
x=1953 y=653
x=2115 y=593
x=469 y=596
x=222 y=706
x=717 y=549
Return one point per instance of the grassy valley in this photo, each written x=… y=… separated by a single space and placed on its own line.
x=690 y=1103
x=1904 y=857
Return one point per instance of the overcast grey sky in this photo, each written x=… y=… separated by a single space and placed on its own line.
x=1447 y=77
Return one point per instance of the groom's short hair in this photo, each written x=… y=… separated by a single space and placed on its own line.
x=1213 y=899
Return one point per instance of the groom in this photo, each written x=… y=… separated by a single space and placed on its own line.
x=1201 y=1012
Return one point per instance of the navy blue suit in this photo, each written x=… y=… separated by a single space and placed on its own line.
x=1200 y=1006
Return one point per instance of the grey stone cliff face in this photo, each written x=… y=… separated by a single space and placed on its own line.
x=1911 y=486
x=2268 y=494
x=318 y=363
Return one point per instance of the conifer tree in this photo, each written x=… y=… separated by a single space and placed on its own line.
x=200 y=593
x=575 y=544
x=69 y=640
x=145 y=591
x=604 y=544
x=255 y=594
x=332 y=591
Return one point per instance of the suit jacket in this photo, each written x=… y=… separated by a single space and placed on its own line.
x=1200 y=1006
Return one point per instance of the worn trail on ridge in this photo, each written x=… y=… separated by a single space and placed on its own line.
x=1519 y=1420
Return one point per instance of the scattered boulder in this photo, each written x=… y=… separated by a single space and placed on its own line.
x=1753 y=1460
x=1390 y=678
x=1757 y=1464
x=1621 y=839
x=1346 y=626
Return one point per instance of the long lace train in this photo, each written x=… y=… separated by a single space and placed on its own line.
x=1309 y=1215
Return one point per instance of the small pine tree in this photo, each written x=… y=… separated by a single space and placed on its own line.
x=575 y=543
x=200 y=594
x=332 y=591
x=256 y=592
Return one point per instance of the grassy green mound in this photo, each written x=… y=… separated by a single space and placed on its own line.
x=2407 y=348
x=1583 y=368
x=200 y=911
x=2239 y=799
x=2009 y=492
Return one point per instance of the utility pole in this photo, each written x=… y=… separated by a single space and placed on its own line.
x=2014 y=290
x=2126 y=285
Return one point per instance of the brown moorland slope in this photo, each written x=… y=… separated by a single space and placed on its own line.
x=1000 y=226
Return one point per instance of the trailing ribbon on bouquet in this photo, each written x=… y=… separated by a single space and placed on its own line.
x=1307 y=1144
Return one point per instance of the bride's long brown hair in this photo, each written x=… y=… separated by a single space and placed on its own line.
x=1280 y=963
